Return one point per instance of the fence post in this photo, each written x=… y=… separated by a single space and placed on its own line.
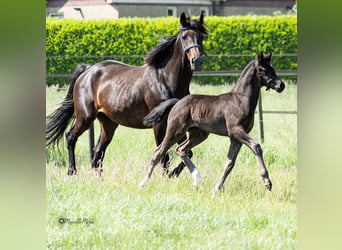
x=261 y=120
x=91 y=141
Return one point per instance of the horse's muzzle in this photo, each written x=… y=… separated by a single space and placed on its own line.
x=280 y=86
x=196 y=64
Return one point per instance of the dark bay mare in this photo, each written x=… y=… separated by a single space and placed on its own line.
x=119 y=94
x=230 y=114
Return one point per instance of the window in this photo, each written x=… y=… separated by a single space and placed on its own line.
x=57 y=15
x=172 y=11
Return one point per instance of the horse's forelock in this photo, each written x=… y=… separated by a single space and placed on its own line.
x=196 y=26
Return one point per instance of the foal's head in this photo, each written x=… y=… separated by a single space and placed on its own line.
x=191 y=34
x=266 y=73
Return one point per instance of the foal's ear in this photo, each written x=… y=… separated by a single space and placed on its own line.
x=183 y=20
x=200 y=20
x=261 y=57
x=269 y=57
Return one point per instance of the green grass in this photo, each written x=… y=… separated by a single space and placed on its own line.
x=170 y=214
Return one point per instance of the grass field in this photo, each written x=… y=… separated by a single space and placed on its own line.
x=88 y=212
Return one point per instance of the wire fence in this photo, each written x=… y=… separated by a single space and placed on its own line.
x=196 y=73
x=259 y=111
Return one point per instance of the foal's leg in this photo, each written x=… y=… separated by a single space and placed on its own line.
x=72 y=135
x=181 y=165
x=246 y=139
x=234 y=149
x=196 y=136
x=175 y=131
x=157 y=155
x=107 y=131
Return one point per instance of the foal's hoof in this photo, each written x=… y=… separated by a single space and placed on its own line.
x=269 y=186
x=215 y=191
x=96 y=172
x=143 y=184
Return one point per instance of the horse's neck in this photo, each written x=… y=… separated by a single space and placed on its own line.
x=248 y=87
x=178 y=71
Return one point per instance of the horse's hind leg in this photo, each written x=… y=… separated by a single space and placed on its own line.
x=72 y=135
x=234 y=149
x=159 y=134
x=196 y=136
x=107 y=131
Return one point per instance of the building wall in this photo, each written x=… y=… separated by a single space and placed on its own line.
x=89 y=9
x=265 y=7
x=126 y=10
x=87 y=12
x=98 y=9
x=229 y=11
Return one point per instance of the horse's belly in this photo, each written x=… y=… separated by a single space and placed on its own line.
x=219 y=130
x=214 y=126
x=127 y=112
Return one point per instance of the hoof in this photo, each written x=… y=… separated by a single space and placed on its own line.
x=143 y=184
x=72 y=172
x=216 y=190
x=96 y=171
x=214 y=193
x=268 y=186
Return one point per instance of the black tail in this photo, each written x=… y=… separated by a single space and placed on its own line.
x=58 y=121
x=160 y=112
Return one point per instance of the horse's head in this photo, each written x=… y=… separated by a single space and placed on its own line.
x=266 y=73
x=191 y=33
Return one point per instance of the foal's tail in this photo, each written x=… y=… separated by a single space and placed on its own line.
x=160 y=112
x=58 y=121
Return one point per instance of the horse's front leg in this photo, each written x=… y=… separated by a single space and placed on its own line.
x=246 y=139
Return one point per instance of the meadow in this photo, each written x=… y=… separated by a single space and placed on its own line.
x=111 y=212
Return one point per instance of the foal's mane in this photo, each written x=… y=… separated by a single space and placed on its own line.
x=163 y=51
x=243 y=73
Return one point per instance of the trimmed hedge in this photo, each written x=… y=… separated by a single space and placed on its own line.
x=119 y=38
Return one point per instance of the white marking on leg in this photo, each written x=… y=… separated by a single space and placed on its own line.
x=196 y=176
x=193 y=170
x=144 y=182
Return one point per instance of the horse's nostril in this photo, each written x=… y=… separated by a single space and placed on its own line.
x=197 y=61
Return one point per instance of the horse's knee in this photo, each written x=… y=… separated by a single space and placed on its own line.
x=257 y=149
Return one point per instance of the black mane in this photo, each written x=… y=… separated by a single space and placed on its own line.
x=163 y=51
x=243 y=73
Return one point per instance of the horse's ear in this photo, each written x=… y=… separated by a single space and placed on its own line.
x=200 y=20
x=261 y=56
x=269 y=57
x=183 y=20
